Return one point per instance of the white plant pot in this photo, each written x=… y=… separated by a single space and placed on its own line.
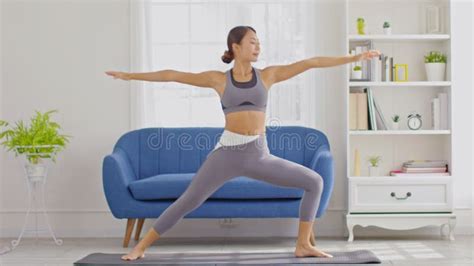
x=395 y=125
x=435 y=71
x=387 y=31
x=36 y=172
x=373 y=170
x=356 y=74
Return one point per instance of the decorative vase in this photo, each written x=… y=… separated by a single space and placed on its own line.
x=36 y=172
x=387 y=31
x=435 y=71
x=395 y=125
x=356 y=163
x=373 y=170
x=361 y=28
x=356 y=74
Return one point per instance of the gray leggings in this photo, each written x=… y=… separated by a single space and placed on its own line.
x=252 y=159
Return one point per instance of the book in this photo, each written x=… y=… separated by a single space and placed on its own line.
x=443 y=110
x=424 y=166
x=424 y=170
x=380 y=116
x=377 y=69
x=370 y=102
x=362 y=117
x=391 y=69
x=435 y=114
x=425 y=163
x=378 y=120
x=387 y=69
x=358 y=111
x=401 y=174
x=382 y=69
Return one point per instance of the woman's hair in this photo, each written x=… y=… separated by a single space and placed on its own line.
x=235 y=36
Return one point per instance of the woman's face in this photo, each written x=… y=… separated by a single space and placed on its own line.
x=249 y=47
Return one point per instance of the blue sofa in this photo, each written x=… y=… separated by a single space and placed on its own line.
x=150 y=168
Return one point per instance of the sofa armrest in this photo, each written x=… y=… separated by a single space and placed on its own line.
x=117 y=173
x=323 y=164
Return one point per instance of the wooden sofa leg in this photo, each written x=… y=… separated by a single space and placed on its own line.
x=139 y=228
x=128 y=232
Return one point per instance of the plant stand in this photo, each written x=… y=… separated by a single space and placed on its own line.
x=35 y=175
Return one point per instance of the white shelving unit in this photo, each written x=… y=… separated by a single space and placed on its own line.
x=400 y=37
x=399 y=132
x=392 y=202
x=415 y=84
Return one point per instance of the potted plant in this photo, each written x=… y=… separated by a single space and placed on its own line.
x=395 y=121
x=38 y=141
x=386 y=28
x=356 y=72
x=435 y=66
x=360 y=26
x=374 y=165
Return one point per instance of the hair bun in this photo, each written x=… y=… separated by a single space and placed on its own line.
x=227 y=57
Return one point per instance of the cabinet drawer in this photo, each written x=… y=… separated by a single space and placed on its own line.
x=395 y=194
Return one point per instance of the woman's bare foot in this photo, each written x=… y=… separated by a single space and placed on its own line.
x=307 y=250
x=136 y=253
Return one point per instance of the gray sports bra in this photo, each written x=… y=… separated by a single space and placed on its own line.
x=243 y=96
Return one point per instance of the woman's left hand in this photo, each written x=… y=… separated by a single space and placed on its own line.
x=367 y=55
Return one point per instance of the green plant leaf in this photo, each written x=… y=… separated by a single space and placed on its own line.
x=41 y=131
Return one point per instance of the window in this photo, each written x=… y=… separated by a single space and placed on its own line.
x=191 y=36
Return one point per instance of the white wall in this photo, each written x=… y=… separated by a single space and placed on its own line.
x=462 y=41
x=1 y=100
x=462 y=45
x=54 y=54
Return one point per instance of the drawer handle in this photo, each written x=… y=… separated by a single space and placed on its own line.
x=404 y=198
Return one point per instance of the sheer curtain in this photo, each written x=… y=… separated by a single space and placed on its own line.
x=191 y=36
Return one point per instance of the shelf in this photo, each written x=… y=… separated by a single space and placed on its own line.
x=400 y=37
x=419 y=215
x=368 y=178
x=399 y=83
x=399 y=132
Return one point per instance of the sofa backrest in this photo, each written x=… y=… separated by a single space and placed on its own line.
x=153 y=151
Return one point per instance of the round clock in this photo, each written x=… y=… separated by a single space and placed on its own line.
x=414 y=121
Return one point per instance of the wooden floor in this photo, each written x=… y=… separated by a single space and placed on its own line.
x=392 y=251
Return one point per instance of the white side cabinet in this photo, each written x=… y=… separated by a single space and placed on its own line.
x=400 y=203
x=394 y=202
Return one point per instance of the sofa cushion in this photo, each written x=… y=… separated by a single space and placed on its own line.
x=171 y=186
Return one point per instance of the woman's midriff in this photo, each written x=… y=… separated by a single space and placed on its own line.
x=246 y=122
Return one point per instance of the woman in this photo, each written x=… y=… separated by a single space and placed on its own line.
x=242 y=147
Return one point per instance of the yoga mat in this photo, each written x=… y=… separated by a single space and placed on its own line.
x=192 y=258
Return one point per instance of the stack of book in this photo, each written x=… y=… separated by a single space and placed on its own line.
x=364 y=112
x=383 y=68
x=422 y=168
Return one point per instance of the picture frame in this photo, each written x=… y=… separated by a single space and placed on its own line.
x=363 y=45
x=401 y=72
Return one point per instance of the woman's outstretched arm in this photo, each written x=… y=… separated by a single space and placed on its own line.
x=274 y=74
x=207 y=79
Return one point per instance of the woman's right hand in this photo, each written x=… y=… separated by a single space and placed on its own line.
x=119 y=75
